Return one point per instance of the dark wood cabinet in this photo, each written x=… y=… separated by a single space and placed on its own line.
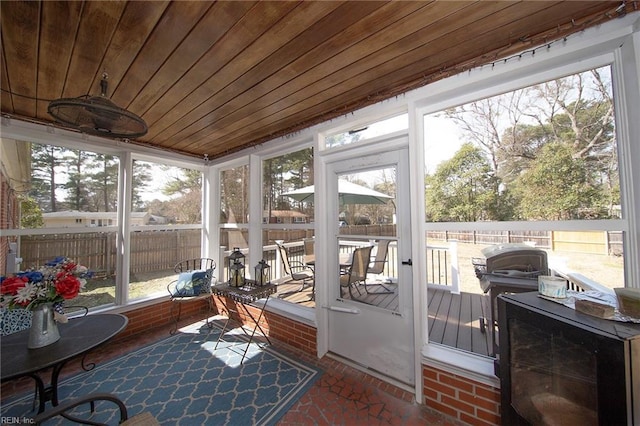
x=559 y=366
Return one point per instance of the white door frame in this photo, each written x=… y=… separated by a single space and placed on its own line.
x=327 y=229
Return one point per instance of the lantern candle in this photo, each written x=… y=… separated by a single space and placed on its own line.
x=262 y=273
x=235 y=268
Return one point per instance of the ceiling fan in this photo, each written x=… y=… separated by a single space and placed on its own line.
x=97 y=115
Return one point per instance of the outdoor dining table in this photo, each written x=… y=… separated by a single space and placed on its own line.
x=77 y=337
x=344 y=259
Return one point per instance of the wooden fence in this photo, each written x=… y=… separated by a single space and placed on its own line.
x=159 y=250
x=150 y=250
x=600 y=242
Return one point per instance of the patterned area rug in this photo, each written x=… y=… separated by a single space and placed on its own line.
x=182 y=380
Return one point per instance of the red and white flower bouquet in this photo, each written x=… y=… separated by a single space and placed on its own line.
x=58 y=280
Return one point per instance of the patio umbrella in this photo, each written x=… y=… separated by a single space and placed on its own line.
x=349 y=193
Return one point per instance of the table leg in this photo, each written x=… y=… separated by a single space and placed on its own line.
x=253 y=332
x=40 y=393
x=47 y=393
x=55 y=374
x=257 y=323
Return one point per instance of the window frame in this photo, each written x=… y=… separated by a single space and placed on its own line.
x=503 y=77
x=45 y=135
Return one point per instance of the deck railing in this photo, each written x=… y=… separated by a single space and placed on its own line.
x=442 y=261
x=158 y=250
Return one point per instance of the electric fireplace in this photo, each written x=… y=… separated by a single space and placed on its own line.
x=562 y=367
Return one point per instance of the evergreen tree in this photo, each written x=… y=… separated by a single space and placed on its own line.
x=46 y=161
x=103 y=183
x=77 y=162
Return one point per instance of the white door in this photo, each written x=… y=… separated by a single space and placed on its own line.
x=372 y=324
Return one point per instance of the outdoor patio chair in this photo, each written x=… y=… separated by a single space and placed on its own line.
x=96 y=399
x=376 y=267
x=297 y=271
x=356 y=274
x=193 y=283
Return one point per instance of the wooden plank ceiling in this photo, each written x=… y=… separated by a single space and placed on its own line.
x=215 y=77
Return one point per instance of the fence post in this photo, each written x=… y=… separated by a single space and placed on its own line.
x=221 y=265
x=107 y=250
x=278 y=260
x=455 y=272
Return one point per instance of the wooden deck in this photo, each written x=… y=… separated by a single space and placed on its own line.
x=454 y=319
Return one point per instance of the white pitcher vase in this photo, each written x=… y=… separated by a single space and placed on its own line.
x=44 y=330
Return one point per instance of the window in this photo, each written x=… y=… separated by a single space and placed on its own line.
x=367 y=131
x=63 y=194
x=287 y=205
x=234 y=213
x=545 y=153
x=234 y=195
x=164 y=199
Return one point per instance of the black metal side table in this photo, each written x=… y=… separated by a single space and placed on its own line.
x=244 y=295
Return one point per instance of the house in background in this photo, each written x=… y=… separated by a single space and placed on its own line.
x=78 y=219
x=284 y=216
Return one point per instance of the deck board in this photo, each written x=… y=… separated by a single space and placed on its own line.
x=454 y=321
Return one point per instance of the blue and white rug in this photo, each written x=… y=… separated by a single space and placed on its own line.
x=182 y=380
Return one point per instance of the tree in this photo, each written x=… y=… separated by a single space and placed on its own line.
x=284 y=173
x=463 y=189
x=45 y=164
x=512 y=129
x=139 y=181
x=76 y=162
x=234 y=202
x=103 y=183
x=186 y=206
x=30 y=213
x=556 y=187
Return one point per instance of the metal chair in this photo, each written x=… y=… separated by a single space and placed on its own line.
x=297 y=271
x=376 y=267
x=357 y=272
x=200 y=287
x=65 y=408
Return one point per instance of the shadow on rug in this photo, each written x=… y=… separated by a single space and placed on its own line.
x=183 y=380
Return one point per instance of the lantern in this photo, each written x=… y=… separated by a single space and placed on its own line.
x=235 y=268
x=262 y=273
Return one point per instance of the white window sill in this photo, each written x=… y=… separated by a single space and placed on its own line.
x=302 y=314
x=474 y=367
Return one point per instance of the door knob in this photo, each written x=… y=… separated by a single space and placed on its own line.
x=407 y=262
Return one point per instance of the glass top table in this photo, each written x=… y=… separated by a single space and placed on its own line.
x=77 y=337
